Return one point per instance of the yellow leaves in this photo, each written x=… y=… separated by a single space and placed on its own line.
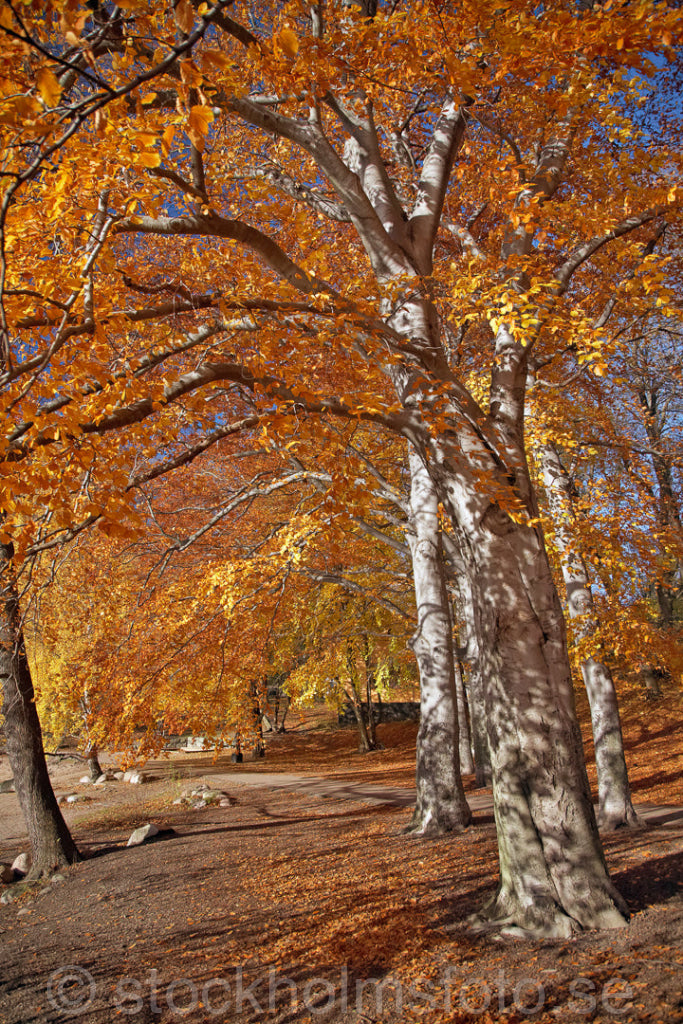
x=149 y=159
x=289 y=43
x=199 y=120
x=216 y=59
x=190 y=74
x=167 y=139
x=184 y=16
x=17 y=109
x=48 y=87
x=115 y=530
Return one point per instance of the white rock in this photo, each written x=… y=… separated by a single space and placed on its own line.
x=197 y=790
x=84 y=780
x=137 y=778
x=21 y=864
x=119 y=776
x=141 y=834
x=7 y=896
x=104 y=777
x=227 y=802
x=212 y=796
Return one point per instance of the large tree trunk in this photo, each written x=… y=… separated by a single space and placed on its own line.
x=615 y=808
x=553 y=876
x=49 y=837
x=441 y=805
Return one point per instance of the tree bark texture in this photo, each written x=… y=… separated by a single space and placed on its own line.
x=615 y=807
x=464 y=737
x=553 y=877
x=51 y=843
x=440 y=798
x=475 y=687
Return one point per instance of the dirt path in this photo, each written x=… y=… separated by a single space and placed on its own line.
x=303 y=902
x=292 y=901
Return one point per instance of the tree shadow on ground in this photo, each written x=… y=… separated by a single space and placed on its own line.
x=652 y=882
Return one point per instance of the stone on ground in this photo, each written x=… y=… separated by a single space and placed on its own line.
x=142 y=834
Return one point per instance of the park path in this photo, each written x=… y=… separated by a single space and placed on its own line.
x=481 y=804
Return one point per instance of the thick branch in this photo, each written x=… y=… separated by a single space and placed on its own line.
x=215 y=226
x=449 y=133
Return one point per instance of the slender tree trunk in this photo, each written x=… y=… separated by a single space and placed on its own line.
x=49 y=837
x=369 y=681
x=91 y=752
x=475 y=687
x=441 y=805
x=464 y=738
x=94 y=767
x=553 y=876
x=365 y=742
x=615 y=808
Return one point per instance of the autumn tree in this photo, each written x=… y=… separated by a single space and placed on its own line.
x=44 y=105
x=331 y=181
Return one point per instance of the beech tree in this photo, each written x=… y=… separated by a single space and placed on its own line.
x=614 y=793
x=396 y=211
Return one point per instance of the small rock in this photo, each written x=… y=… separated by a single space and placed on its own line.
x=137 y=778
x=57 y=878
x=85 y=780
x=105 y=777
x=194 y=791
x=6 y=874
x=7 y=896
x=227 y=802
x=180 y=800
x=21 y=864
x=142 y=834
x=119 y=776
x=212 y=796
x=7 y=786
x=23 y=911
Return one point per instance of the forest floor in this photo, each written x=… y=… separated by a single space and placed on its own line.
x=306 y=903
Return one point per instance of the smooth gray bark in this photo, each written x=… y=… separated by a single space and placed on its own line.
x=440 y=798
x=464 y=737
x=49 y=837
x=553 y=877
x=475 y=685
x=553 y=874
x=615 y=807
